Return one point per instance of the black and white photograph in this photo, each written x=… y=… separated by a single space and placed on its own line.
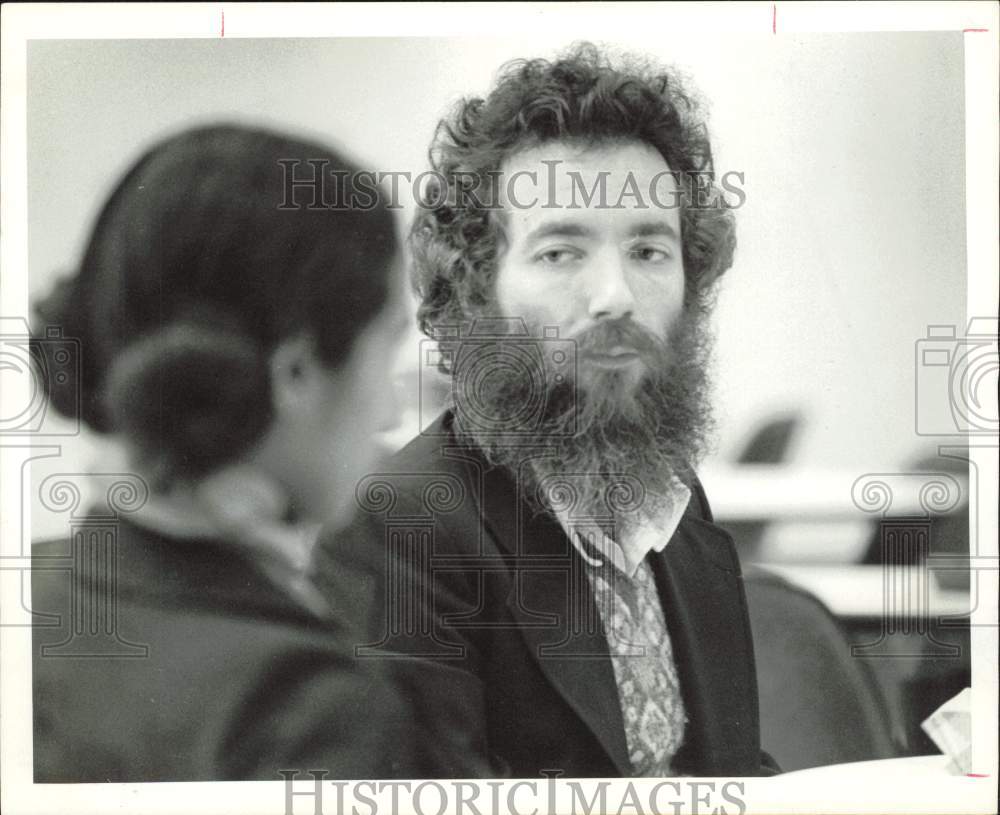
x=515 y=407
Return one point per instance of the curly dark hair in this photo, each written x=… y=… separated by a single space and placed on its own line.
x=456 y=238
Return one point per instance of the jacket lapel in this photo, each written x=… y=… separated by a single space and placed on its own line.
x=704 y=603
x=553 y=604
x=705 y=608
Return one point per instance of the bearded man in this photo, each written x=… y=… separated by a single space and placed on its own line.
x=540 y=563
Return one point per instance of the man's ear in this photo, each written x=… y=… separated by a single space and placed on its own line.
x=295 y=370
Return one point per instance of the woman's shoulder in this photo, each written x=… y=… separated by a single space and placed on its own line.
x=185 y=642
x=135 y=566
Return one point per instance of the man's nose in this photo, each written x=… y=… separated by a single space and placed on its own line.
x=610 y=295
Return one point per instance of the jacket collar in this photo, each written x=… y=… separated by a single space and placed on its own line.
x=193 y=573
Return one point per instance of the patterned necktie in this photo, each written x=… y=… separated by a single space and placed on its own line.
x=643 y=661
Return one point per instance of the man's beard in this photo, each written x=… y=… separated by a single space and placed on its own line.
x=606 y=448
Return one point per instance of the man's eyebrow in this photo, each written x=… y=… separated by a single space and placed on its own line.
x=648 y=229
x=559 y=229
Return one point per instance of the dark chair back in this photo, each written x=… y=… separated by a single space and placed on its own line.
x=818 y=704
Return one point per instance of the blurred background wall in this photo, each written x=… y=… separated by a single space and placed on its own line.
x=851 y=240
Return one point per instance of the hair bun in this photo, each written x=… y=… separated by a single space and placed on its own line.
x=59 y=306
x=61 y=309
x=189 y=398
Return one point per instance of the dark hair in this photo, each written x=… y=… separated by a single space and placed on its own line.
x=580 y=97
x=193 y=274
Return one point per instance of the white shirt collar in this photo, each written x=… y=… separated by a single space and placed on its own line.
x=636 y=541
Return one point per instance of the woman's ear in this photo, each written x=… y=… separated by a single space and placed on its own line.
x=295 y=375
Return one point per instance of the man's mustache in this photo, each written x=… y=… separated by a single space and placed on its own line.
x=615 y=335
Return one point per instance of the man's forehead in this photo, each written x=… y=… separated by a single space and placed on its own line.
x=569 y=188
x=617 y=182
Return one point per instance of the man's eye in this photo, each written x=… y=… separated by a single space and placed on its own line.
x=557 y=257
x=650 y=254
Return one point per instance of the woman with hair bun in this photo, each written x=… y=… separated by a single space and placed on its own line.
x=236 y=345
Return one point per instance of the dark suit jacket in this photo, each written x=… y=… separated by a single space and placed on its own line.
x=208 y=671
x=464 y=573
